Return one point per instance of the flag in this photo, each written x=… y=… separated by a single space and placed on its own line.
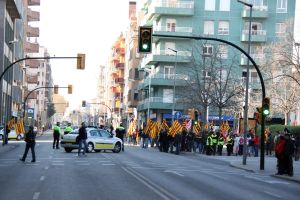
x=10 y=124
x=19 y=127
x=175 y=128
x=197 y=129
x=148 y=126
x=165 y=125
x=154 y=130
x=189 y=124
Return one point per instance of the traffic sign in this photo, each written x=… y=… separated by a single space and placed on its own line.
x=178 y=115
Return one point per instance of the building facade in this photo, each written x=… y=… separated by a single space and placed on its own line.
x=224 y=19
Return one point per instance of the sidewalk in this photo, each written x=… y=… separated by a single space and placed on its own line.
x=253 y=165
x=7 y=147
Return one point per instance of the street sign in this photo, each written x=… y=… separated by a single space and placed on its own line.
x=30 y=112
x=177 y=115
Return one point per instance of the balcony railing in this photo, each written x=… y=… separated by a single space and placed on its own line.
x=256 y=36
x=175 y=29
x=173 y=4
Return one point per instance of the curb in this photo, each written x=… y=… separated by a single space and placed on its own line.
x=238 y=167
x=286 y=178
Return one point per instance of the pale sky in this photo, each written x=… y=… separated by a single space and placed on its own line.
x=68 y=27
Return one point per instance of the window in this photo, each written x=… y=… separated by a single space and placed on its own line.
x=281 y=6
x=207 y=50
x=135 y=95
x=167 y=95
x=280 y=29
x=171 y=25
x=209 y=28
x=224 y=5
x=136 y=74
x=210 y=5
x=223 y=51
x=256 y=28
x=168 y=72
x=254 y=77
x=223 y=28
x=169 y=46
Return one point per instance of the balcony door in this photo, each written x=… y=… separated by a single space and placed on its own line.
x=167 y=95
x=171 y=25
x=168 y=72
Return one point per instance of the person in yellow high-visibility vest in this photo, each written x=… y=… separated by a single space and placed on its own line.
x=209 y=143
x=221 y=141
x=214 y=142
x=56 y=135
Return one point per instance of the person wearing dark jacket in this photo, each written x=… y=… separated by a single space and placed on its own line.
x=120 y=132
x=30 y=144
x=82 y=138
x=288 y=155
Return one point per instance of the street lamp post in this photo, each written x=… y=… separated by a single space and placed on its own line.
x=149 y=89
x=174 y=83
x=247 y=85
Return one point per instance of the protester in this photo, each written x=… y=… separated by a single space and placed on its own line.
x=30 y=144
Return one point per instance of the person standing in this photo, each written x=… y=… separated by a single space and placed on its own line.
x=68 y=129
x=230 y=143
x=56 y=135
x=269 y=144
x=120 y=133
x=221 y=141
x=82 y=138
x=30 y=144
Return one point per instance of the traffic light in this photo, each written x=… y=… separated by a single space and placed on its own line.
x=145 y=39
x=67 y=104
x=266 y=106
x=258 y=115
x=196 y=115
x=191 y=113
x=80 y=61
x=55 y=89
x=83 y=103
x=70 y=89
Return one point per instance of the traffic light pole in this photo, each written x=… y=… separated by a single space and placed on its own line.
x=262 y=139
x=25 y=99
x=111 y=119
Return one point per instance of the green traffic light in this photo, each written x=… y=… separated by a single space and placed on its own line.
x=145 y=46
x=266 y=112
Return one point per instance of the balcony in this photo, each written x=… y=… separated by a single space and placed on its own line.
x=120 y=66
x=13 y=10
x=32 y=15
x=256 y=36
x=156 y=9
x=257 y=12
x=164 y=80
x=32 y=63
x=32 y=31
x=166 y=56
x=34 y=2
x=175 y=31
x=158 y=103
x=258 y=58
x=32 y=79
x=119 y=80
x=31 y=47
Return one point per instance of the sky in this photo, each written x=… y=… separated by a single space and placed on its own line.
x=68 y=27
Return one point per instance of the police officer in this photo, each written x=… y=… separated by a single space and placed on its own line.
x=68 y=129
x=120 y=132
x=221 y=141
x=209 y=144
x=56 y=135
x=214 y=142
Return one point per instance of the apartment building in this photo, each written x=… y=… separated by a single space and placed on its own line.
x=224 y=19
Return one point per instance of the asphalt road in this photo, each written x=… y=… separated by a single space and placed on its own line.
x=134 y=174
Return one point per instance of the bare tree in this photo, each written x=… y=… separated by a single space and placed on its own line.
x=212 y=79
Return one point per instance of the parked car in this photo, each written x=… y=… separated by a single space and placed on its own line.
x=12 y=134
x=97 y=140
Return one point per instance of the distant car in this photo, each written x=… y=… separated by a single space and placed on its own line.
x=97 y=140
x=12 y=135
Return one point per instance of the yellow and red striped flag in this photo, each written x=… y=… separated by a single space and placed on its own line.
x=148 y=126
x=175 y=128
x=10 y=124
x=165 y=125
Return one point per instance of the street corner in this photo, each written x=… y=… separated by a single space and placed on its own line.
x=286 y=177
x=238 y=165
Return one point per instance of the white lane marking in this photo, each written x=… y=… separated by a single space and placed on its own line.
x=81 y=161
x=36 y=196
x=83 y=164
x=4 y=165
x=103 y=161
x=58 y=164
x=42 y=178
x=47 y=167
x=173 y=172
x=106 y=164
x=159 y=191
x=272 y=194
x=281 y=182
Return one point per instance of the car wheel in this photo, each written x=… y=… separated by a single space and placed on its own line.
x=117 y=147
x=90 y=147
x=19 y=137
x=68 y=150
x=97 y=150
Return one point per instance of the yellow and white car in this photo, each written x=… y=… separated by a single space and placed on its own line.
x=97 y=140
x=12 y=135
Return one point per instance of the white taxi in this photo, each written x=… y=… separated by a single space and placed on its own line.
x=97 y=140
